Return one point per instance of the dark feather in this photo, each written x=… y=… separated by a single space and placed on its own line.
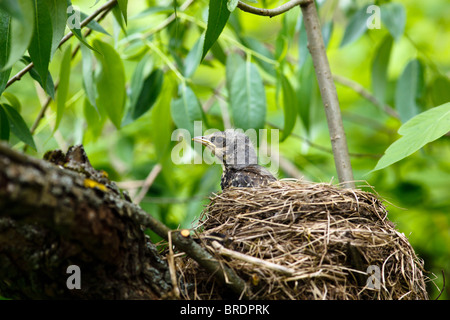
x=250 y=176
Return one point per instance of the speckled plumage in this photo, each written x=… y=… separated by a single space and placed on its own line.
x=250 y=176
x=239 y=160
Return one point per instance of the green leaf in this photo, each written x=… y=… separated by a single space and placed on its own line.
x=21 y=32
x=148 y=94
x=218 y=53
x=63 y=87
x=281 y=47
x=88 y=76
x=58 y=14
x=110 y=82
x=303 y=52
x=379 y=68
x=393 y=16
x=41 y=42
x=141 y=71
x=217 y=19
x=356 y=27
x=194 y=58
x=306 y=92
x=302 y=45
x=49 y=86
x=12 y=99
x=247 y=96
x=232 y=4
x=5 y=44
x=289 y=23
x=74 y=24
x=123 y=4
x=440 y=92
x=186 y=109
x=4 y=125
x=327 y=31
x=18 y=126
x=235 y=24
x=160 y=119
x=12 y=8
x=153 y=10
x=234 y=61
x=94 y=25
x=289 y=107
x=118 y=16
x=417 y=132
x=80 y=37
x=257 y=46
x=409 y=90
x=94 y=121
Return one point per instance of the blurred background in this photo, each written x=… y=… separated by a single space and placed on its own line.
x=368 y=65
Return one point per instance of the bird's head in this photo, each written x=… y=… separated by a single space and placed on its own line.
x=231 y=147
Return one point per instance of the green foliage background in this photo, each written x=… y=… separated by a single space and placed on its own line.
x=144 y=79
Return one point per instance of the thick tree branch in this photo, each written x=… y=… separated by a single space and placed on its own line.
x=74 y=215
x=223 y=274
x=52 y=218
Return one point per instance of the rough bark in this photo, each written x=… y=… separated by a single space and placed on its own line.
x=53 y=215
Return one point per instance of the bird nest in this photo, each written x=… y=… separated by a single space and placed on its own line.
x=297 y=240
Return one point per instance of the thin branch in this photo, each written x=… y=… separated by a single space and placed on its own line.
x=74 y=53
x=252 y=260
x=172 y=269
x=271 y=12
x=443 y=285
x=169 y=20
x=148 y=182
x=325 y=149
x=105 y=7
x=285 y=164
x=41 y=113
x=169 y=200
x=329 y=95
x=328 y=92
x=366 y=94
x=223 y=274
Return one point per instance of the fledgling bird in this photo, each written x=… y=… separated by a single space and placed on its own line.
x=238 y=157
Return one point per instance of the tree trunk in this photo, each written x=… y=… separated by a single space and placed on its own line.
x=55 y=215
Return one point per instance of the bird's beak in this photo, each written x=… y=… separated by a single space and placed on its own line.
x=202 y=140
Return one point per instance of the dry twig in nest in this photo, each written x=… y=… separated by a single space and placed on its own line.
x=296 y=240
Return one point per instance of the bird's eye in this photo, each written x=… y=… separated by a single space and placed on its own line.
x=213 y=138
x=218 y=141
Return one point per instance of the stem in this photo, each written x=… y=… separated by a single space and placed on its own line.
x=148 y=182
x=366 y=95
x=329 y=96
x=163 y=57
x=271 y=12
x=228 y=38
x=169 y=20
x=104 y=10
x=252 y=260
